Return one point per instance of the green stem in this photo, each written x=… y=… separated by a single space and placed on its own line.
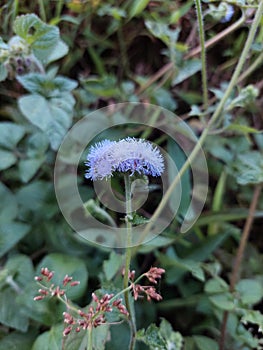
x=203 y=52
x=89 y=345
x=258 y=61
x=59 y=6
x=127 y=182
x=42 y=10
x=216 y=115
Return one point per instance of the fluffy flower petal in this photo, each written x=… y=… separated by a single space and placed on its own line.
x=126 y=155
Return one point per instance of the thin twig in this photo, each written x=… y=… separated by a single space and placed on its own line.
x=239 y=256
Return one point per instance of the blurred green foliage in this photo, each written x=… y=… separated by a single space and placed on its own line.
x=60 y=60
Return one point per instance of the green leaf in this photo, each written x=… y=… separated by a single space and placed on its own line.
x=178 y=157
x=205 y=343
x=16 y=340
x=189 y=68
x=253 y=316
x=245 y=98
x=27 y=168
x=164 y=98
x=10 y=234
x=112 y=265
x=216 y=285
x=223 y=301
x=248 y=168
x=176 y=267
x=10 y=314
x=103 y=87
x=76 y=341
x=60 y=51
x=240 y=128
x=53 y=116
x=36 y=145
x=174 y=340
x=42 y=37
x=163 y=32
x=152 y=337
x=7 y=159
x=250 y=291
x=8 y=204
x=20 y=267
x=45 y=85
x=50 y=340
x=3 y=72
x=137 y=7
x=62 y=266
x=10 y=134
x=47 y=311
x=156 y=242
x=32 y=197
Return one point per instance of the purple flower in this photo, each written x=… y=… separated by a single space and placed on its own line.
x=126 y=155
x=229 y=14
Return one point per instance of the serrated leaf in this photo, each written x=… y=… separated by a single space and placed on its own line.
x=7 y=159
x=248 y=168
x=253 y=316
x=53 y=116
x=174 y=340
x=45 y=85
x=38 y=35
x=152 y=337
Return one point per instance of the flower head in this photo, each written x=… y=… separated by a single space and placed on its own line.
x=126 y=155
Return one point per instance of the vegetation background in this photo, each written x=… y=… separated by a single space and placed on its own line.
x=66 y=58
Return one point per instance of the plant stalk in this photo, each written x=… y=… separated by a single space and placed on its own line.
x=203 y=52
x=128 y=203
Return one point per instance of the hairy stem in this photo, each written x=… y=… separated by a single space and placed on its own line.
x=203 y=52
x=239 y=257
x=127 y=181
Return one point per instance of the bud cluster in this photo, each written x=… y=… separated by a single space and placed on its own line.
x=17 y=58
x=149 y=291
x=96 y=314
x=52 y=290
